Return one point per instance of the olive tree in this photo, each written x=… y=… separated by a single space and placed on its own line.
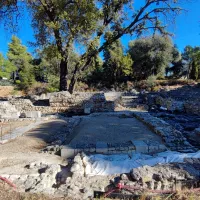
x=151 y=55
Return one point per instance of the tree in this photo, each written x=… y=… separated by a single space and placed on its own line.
x=95 y=74
x=21 y=59
x=176 y=69
x=191 y=61
x=50 y=64
x=6 y=68
x=151 y=55
x=68 y=22
x=116 y=65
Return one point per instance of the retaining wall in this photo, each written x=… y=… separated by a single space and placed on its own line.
x=65 y=102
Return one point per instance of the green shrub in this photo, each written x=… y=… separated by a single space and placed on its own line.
x=151 y=81
x=18 y=82
x=51 y=89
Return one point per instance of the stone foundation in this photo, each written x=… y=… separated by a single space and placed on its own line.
x=135 y=146
x=173 y=105
x=64 y=102
x=173 y=138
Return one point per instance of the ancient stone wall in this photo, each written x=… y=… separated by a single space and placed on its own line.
x=65 y=102
x=192 y=107
x=173 y=105
x=173 y=138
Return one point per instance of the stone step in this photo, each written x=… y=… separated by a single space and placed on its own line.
x=133 y=146
x=130 y=105
x=129 y=97
x=130 y=101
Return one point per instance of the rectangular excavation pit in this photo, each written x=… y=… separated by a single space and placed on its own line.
x=112 y=134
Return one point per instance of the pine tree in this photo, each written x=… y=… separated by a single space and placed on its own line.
x=194 y=70
x=116 y=65
x=6 y=68
x=19 y=57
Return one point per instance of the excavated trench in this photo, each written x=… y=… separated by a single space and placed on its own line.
x=111 y=136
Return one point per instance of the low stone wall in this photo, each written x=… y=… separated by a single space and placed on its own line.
x=192 y=107
x=172 y=105
x=135 y=146
x=8 y=110
x=65 y=102
x=173 y=138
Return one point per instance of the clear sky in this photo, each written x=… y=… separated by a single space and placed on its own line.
x=186 y=29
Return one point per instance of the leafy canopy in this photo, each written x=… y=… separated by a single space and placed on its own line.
x=21 y=59
x=151 y=55
x=6 y=67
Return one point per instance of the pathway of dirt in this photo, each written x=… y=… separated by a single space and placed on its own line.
x=18 y=153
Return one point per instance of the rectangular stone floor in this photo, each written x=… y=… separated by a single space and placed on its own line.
x=111 y=129
x=112 y=134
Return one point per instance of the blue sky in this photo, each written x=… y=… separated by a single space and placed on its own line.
x=186 y=29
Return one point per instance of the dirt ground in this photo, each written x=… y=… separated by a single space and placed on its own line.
x=18 y=153
x=7 y=127
x=6 y=90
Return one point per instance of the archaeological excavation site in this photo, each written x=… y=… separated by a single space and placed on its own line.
x=101 y=145
x=99 y=99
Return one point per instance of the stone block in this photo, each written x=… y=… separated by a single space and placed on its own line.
x=102 y=147
x=153 y=148
x=68 y=152
x=77 y=150
x=111 y=148
x=10 y=115
x=92 y=150
x=102 y=150
x=140 y=146
x=87 y=110
x=162 y=147
x=197 y=131
x=131 y=148
x=31 y=114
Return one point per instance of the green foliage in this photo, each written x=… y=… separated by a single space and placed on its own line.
x=18 y=82
x=126 y=65
x=6 y=67
x=18 y=56
x=191 y=58
x=53 y=82
x=85 y=23
x=151 y=55
x=151 y=81
x=69 y=25
x=117 y=66
x=194 y=74
x=26 y=77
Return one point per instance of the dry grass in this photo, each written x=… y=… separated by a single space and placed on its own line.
x=180 y=195
x=6 y=91
x=7 y=193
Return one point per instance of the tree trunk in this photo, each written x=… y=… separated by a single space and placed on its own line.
x=63 y=75
x=72 y=85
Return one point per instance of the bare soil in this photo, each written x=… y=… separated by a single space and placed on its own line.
x=17 y=153
x=8 y=127
x=6 y=90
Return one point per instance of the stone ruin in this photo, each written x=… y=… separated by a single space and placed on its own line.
x=76 y=184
